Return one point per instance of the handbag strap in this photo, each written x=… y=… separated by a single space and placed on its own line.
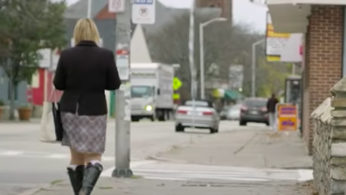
x=52 y=93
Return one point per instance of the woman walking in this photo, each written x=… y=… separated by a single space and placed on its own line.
x=84 y=72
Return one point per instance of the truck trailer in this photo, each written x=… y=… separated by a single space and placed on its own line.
x=151 y=91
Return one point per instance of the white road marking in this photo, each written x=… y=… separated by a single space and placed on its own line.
x=306 y=175
x=194 y=172
x=134 y=164
x=11 y=153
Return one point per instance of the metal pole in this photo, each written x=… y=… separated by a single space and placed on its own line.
x=191 y=49
x=123 y=98
x=253 y=67
x=89 y=8
x=191 y=59
x=201 y=56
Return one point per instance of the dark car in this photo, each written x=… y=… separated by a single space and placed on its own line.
x=254 y=110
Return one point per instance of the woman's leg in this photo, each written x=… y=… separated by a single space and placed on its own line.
x=92 y=172
x=76 y=170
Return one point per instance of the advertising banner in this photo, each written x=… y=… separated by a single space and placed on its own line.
x=282 y=47
x=287 y=117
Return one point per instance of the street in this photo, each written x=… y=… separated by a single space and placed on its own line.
x=26 y=162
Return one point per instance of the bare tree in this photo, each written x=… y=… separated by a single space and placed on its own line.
x=224 y=44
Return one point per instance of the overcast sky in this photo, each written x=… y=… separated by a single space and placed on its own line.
x=243 y=10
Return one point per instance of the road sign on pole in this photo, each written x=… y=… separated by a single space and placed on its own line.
x=176 y=83
x=143 y=11
x=116 y=6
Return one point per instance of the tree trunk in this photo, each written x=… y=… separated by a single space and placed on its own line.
x=12 y=91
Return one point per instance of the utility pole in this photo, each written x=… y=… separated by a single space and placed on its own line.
x=191 y=50
x=89 y=8
x=253 y=67
x=123 y=95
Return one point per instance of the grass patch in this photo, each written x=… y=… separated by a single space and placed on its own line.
x=135 y=177
x=56 y=182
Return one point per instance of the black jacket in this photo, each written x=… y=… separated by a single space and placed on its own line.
x=271 y=104
x=84 y=73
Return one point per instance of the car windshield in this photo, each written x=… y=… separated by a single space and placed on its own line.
x=141 y=91
x=255 y=103
x=197 y=103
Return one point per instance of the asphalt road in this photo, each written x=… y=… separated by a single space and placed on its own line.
x=25 y=162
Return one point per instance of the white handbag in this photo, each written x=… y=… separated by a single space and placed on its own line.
x=47 y=128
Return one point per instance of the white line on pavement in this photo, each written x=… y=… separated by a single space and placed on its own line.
x=134 y=164
x=11 y=153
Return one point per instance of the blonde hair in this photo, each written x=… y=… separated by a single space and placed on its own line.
x=86 y=30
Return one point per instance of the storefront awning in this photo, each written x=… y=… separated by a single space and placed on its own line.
x=291 y=16
x=226 y=94
x=288 y=17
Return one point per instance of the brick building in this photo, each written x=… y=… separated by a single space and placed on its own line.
x=323 y=56
x=226 y=6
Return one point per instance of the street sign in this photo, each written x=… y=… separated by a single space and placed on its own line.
x=176 y=96
x=177 y=83
x=116 y=6
x=143 y=11
x=288 y=118
x=122 y=62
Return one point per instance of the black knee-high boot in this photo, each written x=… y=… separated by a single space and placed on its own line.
x=76 y=178
x=91 y=175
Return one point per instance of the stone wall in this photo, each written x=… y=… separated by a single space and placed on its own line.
x=329 y=143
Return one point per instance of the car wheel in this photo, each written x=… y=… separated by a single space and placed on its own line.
x=267 y=124
x=213 y=130
x=179 y=128
x=134 y=119
x=152 y=118
x=242 y=123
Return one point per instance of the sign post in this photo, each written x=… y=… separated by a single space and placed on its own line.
x=116 y=6
x=287 y=117
x=143 y=11
x=123 y=95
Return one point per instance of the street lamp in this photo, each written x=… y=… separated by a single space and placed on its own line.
x=201 y=55
x=253 y=67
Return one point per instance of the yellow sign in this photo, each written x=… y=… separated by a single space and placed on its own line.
x=287 y=115
x=273 y=34
x=177 y=83
x=176 y=96
x=273 y=58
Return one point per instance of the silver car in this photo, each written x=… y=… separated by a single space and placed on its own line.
x=199 y=114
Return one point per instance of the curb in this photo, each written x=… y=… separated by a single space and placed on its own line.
x=35 y=190
x=152 y=157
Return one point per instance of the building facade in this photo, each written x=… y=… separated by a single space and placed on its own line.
x=324 y=56
x=226 y=6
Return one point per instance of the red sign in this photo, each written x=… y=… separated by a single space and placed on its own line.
x=122 y=52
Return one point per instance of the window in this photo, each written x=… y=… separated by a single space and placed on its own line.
x=198 y=103
x=141 y=91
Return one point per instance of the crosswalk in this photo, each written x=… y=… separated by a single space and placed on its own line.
x=174 y=171
x=190 y=172
x=41 y=155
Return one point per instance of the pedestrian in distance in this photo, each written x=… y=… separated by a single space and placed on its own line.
x=271 y=108
x=83 y=73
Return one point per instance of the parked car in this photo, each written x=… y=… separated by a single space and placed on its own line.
x=199 y=114
x=254 y=110
x=224 y=112
x=234 y=112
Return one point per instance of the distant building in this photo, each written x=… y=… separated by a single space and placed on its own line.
x=226 y=6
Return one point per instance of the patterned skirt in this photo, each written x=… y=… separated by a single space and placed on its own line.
x=85 y=134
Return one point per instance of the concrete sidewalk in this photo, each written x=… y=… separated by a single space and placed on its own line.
x=138 y=186
x=245 y=148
